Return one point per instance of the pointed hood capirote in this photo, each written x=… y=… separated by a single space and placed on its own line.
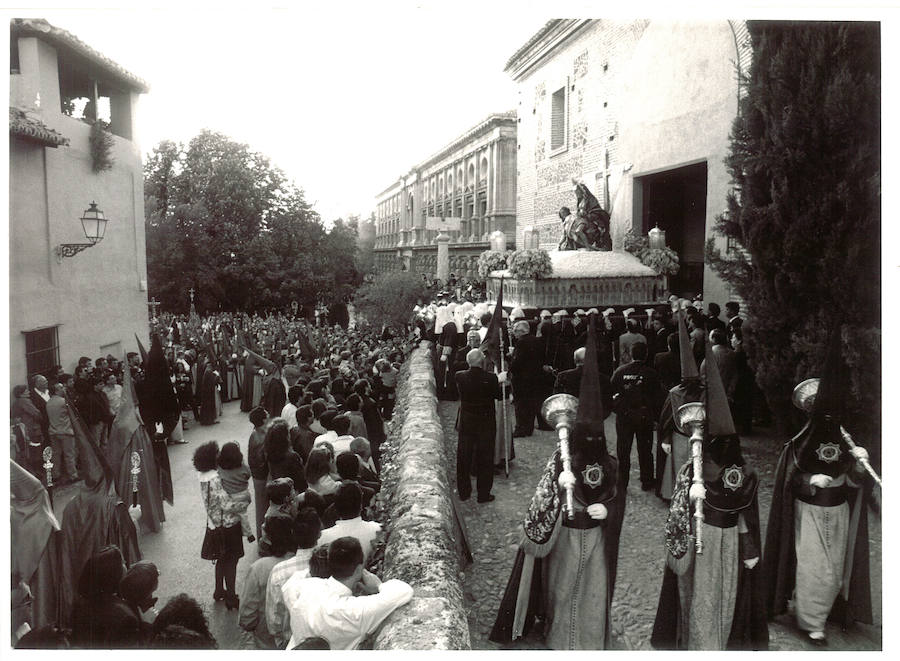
x=589 y=419
x=819 y=447
x=688 y=363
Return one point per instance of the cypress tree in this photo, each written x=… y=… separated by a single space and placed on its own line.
x=805 y=163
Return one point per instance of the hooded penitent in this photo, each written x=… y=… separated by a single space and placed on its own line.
x=690 y=389
x=128 y=435
x=159 y=405
x=730 y=507
x=818 y=448
x=565 y=569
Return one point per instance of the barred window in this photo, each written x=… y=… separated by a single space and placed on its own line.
x=41 y=350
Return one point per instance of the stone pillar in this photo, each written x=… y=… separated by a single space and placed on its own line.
x=498 y=241
x=443 y=257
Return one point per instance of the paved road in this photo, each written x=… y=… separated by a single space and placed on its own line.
x=176 y=548
x=494 y=530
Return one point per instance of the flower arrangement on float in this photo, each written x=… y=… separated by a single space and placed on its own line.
x=530 y=264
x=492 y=260
x=663 y=260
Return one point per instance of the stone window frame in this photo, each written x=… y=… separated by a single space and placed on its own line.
x=563 y=86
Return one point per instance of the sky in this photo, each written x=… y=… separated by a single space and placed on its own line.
x=344 y=97
x=343 y=100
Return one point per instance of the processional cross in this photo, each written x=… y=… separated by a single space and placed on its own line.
x=153 y=303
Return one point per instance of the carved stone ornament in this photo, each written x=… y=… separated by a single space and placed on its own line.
x=593 y=475
x=733 y=477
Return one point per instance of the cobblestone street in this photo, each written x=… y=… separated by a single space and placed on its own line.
x=495 y=528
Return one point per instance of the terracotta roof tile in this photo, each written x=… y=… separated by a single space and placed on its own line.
x=30 y=128
x=38 y=27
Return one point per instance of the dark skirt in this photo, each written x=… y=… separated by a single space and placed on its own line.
x=224 y=543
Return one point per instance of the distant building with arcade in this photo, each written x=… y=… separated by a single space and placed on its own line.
x=471 y=180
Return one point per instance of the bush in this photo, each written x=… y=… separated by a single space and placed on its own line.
x=389 y=300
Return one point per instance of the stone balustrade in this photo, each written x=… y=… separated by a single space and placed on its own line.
x=422 y=548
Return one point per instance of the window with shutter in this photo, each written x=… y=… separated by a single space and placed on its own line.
x=558 y=120
x=41 y=350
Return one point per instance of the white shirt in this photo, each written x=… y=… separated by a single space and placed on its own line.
x=482 y=332
x=45 y=395
x=330 y=436
x=340 y=444
x=289 y=413
x=325 y=607
x=364 y=531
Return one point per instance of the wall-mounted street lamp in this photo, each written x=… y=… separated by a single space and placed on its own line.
x=93 y=222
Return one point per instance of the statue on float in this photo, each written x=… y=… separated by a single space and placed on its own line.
x=588 y=228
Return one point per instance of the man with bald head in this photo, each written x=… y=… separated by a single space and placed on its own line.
x=569 y=381
x=527 y=371
x=476 y=426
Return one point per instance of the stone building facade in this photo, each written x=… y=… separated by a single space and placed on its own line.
x=473 y=179
x=92 y=303
x=640 y=111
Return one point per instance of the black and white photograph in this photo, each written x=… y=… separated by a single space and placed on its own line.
x=440 y=326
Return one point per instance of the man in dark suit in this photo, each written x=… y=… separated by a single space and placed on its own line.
x=667 y=364
x=40 y=395
x=569 y=381
x=527 y=371
x=477 y=427
x=732 y=311
x=712 y=318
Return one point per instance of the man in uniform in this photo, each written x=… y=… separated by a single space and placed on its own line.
x=638 y=396
x=477 y=426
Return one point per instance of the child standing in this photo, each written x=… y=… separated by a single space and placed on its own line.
x=235 y=476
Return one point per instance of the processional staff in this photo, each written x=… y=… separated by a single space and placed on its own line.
x=804 y=396
x=47 y=454
x=135 y=474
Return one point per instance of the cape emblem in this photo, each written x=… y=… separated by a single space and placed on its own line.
x=829 y=452
x=593 y=475
x=733 y=477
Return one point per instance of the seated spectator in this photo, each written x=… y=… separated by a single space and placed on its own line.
x=279 y=531
x=101 y=619
x=283 y=461
x=313 y=643
x=48 y=637
x=326 y=608
x=348 y=505
x=137 y=588
x=348 y=469
x=361 y=448
x=318 y=408
x=327 y=422
x=302 y=435
x=307 y=528
x=352 y=410
x=341 y=426
x=318 y=473
x=182 y=624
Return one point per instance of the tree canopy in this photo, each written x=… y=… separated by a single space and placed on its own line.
x=805 y=212
x=222 y=219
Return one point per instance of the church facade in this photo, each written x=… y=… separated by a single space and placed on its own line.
x=472 y=179
x=640 y=111
x=71 y=295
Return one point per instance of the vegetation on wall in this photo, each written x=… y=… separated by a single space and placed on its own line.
x=101 y=142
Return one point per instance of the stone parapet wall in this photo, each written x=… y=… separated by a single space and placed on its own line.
x=421 y=544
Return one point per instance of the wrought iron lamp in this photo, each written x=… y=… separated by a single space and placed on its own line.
x=93 y=222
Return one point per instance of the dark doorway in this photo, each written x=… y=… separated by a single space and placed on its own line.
x=675 y=201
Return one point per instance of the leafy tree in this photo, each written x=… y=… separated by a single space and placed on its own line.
x=389 y=299
x=805 y=211
x=221 y=219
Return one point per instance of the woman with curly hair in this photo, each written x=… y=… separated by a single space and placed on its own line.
x=283 y=461
x=182 y=624
x=223 y=542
